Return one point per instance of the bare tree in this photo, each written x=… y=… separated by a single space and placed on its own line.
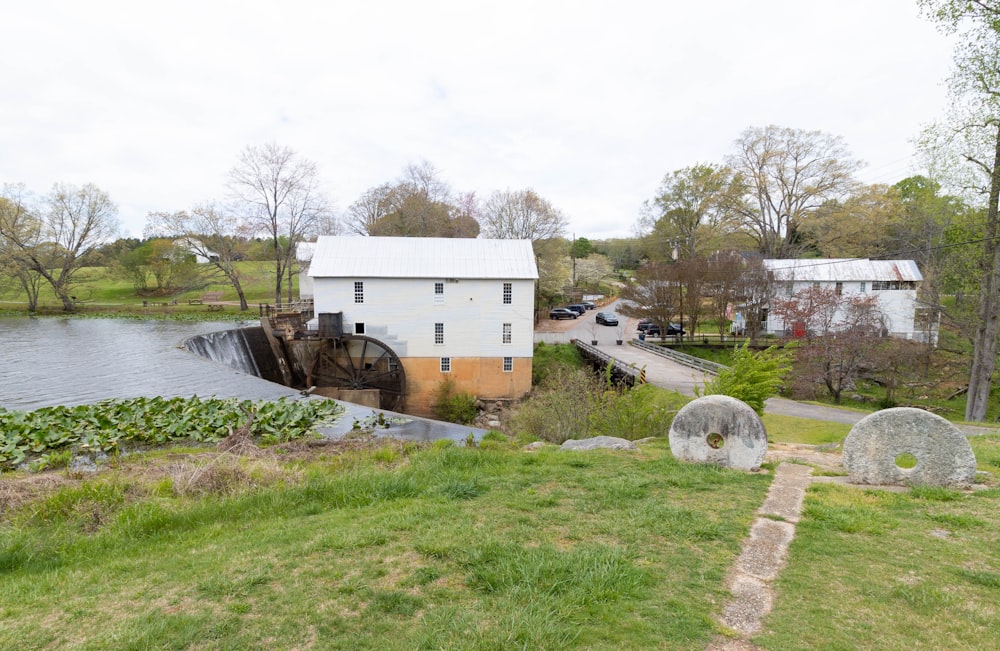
x=655 y=294
x=212 y=232
x=521 y=215
x=279 y=192
x=72 y=223
x=842 y=334
x=786 y=175
x=418 y=204
x=19 y=232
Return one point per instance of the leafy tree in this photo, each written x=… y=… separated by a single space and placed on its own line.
x=553 y=262
x=691 y=214
x=590 y=271
x=860 y=226
x=278 y=192
x=785 y=176
x=171 y=267
x=752 y=377
x=580 y=248
x=969 y=144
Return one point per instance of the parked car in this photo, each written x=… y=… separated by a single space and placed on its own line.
x=607 y=318
x=562 y=313
x=590 y=305
x=579 y=308
x=653 y=330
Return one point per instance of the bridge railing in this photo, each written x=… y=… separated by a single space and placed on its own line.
x=681 y=358
x=620 y=368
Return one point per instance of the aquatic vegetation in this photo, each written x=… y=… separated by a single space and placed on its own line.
x=104 y=426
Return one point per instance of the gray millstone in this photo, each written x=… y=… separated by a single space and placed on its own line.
x=702 y=424
x=944 y=456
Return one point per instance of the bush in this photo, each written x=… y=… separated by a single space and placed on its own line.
x=452 y=406
x=559 y=409
x=753 y=377
x=548 y=357
x=636 y=413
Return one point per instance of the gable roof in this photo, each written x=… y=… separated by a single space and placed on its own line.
x=422 y=257
x=843 y=270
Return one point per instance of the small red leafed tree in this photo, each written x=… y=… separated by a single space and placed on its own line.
x=841 y=335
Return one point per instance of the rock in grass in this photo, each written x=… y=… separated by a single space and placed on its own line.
x=610 y=442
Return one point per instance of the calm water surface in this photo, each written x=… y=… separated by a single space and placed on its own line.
x=52 y=361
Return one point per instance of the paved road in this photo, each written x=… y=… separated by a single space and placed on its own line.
x=668 y=374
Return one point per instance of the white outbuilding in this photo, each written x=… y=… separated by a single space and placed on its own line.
x=893 y=282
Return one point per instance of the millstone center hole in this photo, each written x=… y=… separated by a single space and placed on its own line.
x=715 y=440
x=906 y=460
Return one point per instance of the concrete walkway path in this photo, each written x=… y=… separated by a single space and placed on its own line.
x=763 y=555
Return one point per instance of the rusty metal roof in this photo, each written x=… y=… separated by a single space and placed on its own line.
x=422 y=257
x=843 y=269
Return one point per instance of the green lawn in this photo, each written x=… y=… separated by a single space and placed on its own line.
x=97 y=289
x=397 y=548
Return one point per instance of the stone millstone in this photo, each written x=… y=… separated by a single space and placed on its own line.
x=719 y=430
x=944 y=456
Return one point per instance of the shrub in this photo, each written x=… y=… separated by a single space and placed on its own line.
x=559 y=409
x=636 y=413
x=452 y=406
x=753 y=377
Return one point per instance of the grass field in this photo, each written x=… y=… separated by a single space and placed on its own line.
x=97 y=290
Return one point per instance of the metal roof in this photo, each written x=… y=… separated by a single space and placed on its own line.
x=843 y=269
x=422 y=257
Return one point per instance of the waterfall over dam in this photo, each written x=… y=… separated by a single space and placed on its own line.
x=244 y=349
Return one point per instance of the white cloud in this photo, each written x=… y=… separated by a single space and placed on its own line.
x=588 y=102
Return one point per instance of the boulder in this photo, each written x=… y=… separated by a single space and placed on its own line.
x=610 y=442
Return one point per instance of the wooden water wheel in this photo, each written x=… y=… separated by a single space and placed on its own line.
x=362 y=363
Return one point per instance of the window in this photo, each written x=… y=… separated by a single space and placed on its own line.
x=883 y=285
x=508 y=364
x=506 y=333
x=863 y=284
x=439 y=293
x=438 y=333
x=359 y=291
x=508 y=293
x=446 y=365
x=839 y=288
x=359 y=328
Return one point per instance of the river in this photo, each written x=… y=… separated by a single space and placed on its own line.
x=70 y=361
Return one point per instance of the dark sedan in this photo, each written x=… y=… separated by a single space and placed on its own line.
x=607 y=318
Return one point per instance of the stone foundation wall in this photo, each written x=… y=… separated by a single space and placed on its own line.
x=483 y=377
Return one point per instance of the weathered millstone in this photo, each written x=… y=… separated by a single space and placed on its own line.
x=878 y=441
x=719 y=430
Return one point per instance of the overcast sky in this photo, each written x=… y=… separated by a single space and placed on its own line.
x=588 y=102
